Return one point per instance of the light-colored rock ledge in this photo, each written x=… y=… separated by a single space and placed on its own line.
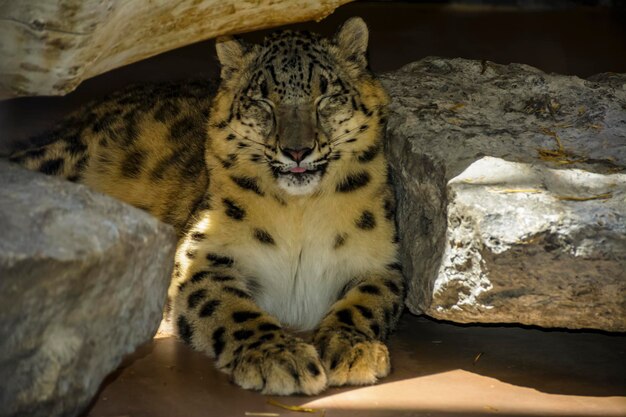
x=511 y=188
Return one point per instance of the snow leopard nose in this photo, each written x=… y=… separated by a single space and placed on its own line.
x=297 y=154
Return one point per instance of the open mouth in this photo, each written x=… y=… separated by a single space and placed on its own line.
x=299 y=171
x=300 y=175
x=300 y=180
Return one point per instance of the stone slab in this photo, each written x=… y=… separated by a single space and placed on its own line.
x=83 y=282
x=510 y=186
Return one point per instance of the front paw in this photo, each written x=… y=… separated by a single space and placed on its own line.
x=283 y=366
x=351 y=357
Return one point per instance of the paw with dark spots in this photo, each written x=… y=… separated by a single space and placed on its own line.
x=280 y=365
x=218 y=341
x=369 y=289
x=345 y=317
x=351 y=357
x=365 y=311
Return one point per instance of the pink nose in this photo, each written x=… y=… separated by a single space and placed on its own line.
x=297 y=154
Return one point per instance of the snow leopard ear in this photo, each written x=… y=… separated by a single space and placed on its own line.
x=351 y=39
x=230 y=52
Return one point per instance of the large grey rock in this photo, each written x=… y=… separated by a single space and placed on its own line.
x=83 y=281
x=511 y=193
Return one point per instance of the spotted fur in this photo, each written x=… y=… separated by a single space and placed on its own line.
x=277 y=186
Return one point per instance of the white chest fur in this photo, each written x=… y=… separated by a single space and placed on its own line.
x=297 y=283
x=301 y=275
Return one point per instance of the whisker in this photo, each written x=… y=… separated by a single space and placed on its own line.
x=345 y=141
x=256 y=165
x=242 y=137
x=334 y=140
x=248 y=151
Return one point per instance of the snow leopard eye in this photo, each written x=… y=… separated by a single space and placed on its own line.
x=333 y=110
x=258 y=114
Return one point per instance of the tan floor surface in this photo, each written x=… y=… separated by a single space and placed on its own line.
x=437 y=371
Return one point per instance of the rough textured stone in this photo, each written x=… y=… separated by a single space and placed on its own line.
x=512 y=193
x=83 y=282
x=49 y=47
